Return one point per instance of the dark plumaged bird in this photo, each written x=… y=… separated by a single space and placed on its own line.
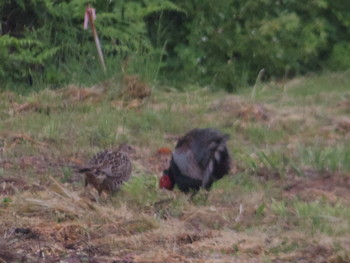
x=108 y=170
x=200 y=158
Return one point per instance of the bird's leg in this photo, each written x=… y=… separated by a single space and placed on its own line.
x=200 y=199
x=206 y=195
x=192 y=196
x=86 y=183
x=110 y=195
x=98 y=197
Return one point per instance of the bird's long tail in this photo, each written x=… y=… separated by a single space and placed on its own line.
x=216 y=158
x=81 y=169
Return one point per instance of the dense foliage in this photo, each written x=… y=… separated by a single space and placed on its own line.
x=228 y=42
x=45 y=40
x=223 y=43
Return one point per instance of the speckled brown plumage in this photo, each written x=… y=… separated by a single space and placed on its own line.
x=108 y=170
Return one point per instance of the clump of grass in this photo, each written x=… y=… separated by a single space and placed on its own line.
x=140 y=225
x=140 y=190
x=60 y=203
x=313 y=217
x=331 y=159
x=286 y=246
x=57 y=200
x=318 y=217
x=100 y=136
x=313 y=86
x=262 y=135
x=67 y=174
x=141 y=193
x=280 y=208
x=268 y=163
x=170 y=204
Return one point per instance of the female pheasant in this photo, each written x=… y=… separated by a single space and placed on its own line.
x=200 y=158
x=109 y=169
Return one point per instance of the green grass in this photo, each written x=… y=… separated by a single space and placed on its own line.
x=262 y=135
x=328 y=158
x=314 y=217
x=328 y=83
x=332 y=220
x=269 y=199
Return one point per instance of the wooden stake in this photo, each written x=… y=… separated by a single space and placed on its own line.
x=89 y=12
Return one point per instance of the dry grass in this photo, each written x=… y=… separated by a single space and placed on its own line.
x=285 y=201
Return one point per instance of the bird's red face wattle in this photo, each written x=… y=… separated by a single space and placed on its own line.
x=165 y=182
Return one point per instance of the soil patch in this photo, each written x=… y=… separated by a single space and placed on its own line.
x=332 y=187
x=246 y=111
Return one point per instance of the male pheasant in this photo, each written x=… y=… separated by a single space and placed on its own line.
x=109 y=169
x=200 y=158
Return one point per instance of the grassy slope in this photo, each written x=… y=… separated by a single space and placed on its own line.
x=287 y=199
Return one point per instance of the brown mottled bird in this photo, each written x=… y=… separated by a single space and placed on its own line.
x=109 y=169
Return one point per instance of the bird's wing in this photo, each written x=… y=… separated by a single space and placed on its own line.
x=187 y=164
x=99 y=158
x=118 y=166
x=199 y=152
x=207 y=146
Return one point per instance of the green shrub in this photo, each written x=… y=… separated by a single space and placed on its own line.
x=44 y=40
x=222 y=44
x=227 y=43
x=340 y=57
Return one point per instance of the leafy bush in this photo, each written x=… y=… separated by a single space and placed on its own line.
x=45 y=39
x=223 y=44
x=227 y=43
x=340 y=57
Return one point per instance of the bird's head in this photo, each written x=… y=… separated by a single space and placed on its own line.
x=127 y=149
x=165 y=181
